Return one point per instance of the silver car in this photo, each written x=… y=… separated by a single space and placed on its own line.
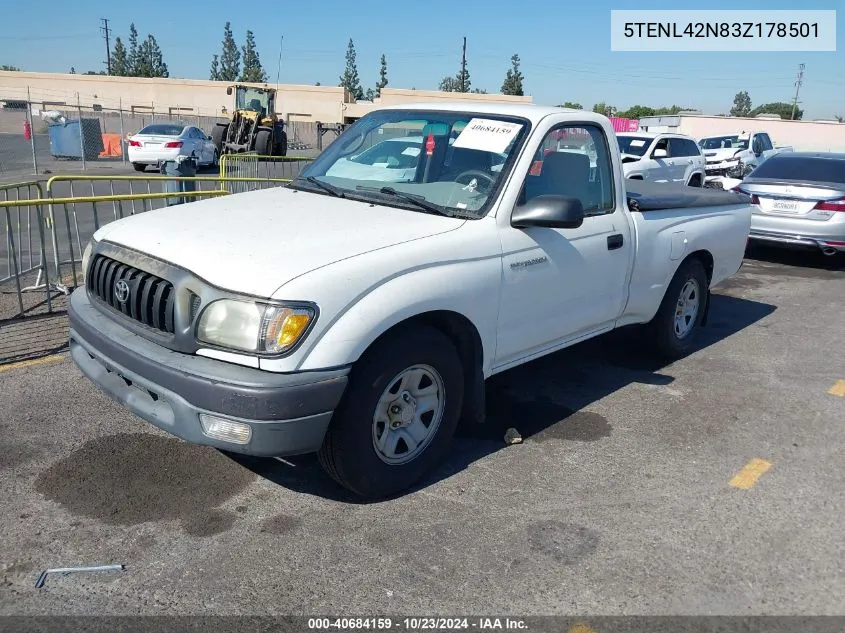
x=799 y=201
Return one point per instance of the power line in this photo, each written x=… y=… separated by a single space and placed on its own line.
x=798 y=83
x=106 y=32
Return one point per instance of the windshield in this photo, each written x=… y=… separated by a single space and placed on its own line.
x=163 y=130
x=723 y=142
x=635 y=145
x=252 y=99
x=449 y=161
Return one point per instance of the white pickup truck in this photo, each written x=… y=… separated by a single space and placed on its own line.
x=360 y=318
x=733 y=156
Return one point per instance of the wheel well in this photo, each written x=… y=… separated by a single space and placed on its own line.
x=635 y=177
x=467 y=341
x=695 y=178
x=706 y=258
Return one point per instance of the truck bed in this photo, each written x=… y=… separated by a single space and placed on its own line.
x=648 y=196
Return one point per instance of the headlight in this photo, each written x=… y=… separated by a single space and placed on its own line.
x=251 y=326
x=86 y=256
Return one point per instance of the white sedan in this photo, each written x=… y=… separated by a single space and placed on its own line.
x=168 y=141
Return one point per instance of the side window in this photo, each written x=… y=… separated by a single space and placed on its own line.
x=767 y=142
x=677 y=148
x=694 y=149
x=662 y=144
x=573 y=161
x=194 y=133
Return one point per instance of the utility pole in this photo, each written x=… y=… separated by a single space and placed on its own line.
x=106 y=33
x=798 y=83
x=464 y=67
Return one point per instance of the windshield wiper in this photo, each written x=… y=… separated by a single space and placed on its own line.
x=335 y=191
x=419 y=201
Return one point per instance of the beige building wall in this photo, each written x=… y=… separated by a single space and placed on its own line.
x=329 y=104
x=801 y=135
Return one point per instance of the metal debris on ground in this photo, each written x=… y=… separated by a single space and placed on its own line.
x=512 y=436
x=69 y=570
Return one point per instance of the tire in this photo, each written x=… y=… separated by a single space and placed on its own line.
x=282 y=145
x=264 y=143
x=218 y=133
x=349 y=453
x=139 y=166
x=663 y=329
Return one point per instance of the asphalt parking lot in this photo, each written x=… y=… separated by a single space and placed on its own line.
x=635 y=491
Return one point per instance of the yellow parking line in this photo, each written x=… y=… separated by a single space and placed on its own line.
x=581 y=628
x=31 y=363
x=748 y=476
x=838 y=389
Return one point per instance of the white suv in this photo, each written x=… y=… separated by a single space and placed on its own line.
x=661 y=158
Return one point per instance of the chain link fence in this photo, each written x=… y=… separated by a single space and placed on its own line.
x=38 y=139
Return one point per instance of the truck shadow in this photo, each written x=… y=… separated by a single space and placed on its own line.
x=798 y=262
x=542 y=400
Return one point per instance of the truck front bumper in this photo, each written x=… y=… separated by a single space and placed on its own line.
x=287 y=414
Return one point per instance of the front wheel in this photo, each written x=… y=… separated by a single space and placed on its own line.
x=674 y=329
x=398 y=416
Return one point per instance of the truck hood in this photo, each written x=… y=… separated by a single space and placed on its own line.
x=256 y=242
x=713 y=155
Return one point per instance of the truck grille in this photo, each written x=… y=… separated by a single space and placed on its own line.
x=141 y=296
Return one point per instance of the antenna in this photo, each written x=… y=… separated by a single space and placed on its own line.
x=798 y=83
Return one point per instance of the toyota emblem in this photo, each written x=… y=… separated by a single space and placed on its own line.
x=121 y=291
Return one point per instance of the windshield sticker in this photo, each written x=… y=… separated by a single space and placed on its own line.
x=637 y=143
x=411 y=151
x=487 y=135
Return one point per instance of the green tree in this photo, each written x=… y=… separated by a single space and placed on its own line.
x=839 y=118
x=784 y=110
x=604 y=108
x=742 y=104
x=132 y=60
x=252 y=70
x=382 y=76
x=119 y=59
x=350 y=79
x=214 y=73
x=72 y=70
x=7 y=67
x=230 y=56
x=150 y=59
x=370 y=94
x=513 y=79
x=636 y=112
x=571 y=104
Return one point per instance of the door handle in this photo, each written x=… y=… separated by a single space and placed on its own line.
x=615 y=241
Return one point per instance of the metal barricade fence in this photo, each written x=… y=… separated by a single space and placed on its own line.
x=262 y=171
x=20 y=229
x=71 y=222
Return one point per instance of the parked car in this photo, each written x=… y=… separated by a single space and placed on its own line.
x=167 y=141
x=799 y=201
x=360 y=320
x=736 y=155
x=661 y=158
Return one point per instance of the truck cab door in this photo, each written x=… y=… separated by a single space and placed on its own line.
x=561 y=284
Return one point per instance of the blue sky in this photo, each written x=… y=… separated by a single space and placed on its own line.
x=565 y=50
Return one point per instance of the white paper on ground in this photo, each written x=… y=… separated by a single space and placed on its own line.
x=487 y=135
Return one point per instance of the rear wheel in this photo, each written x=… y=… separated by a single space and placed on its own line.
x=398 y=416
x=218 y=133
x=282 y=145
x=264 y=143
x=139 y=166
x=674 y=329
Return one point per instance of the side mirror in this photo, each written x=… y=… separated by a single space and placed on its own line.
x=229 y=90
x=659 y=153
x=553 y=212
